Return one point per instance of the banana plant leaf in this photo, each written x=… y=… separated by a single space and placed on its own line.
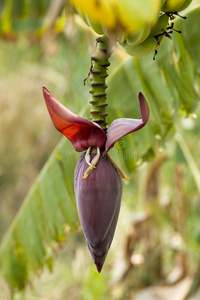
x=42 y=223
x=170 y=84
x=25 y=16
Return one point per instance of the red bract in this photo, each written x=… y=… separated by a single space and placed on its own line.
x=98 y=191
x=83 y=133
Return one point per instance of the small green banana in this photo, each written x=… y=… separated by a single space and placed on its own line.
x=171 y=6
x=185 y=5
x=94 y=25
x=160 y=25
x=146 y=47
x=152 y=42
x=139 y=37
x=121 y=36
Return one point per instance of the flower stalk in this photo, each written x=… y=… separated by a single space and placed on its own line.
x=97 y=75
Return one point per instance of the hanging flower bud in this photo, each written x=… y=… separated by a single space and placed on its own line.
x=98 y=202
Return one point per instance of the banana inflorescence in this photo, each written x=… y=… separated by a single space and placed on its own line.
x=171 y=6
x=151 y=42
x=141 y=38
x=149 y=39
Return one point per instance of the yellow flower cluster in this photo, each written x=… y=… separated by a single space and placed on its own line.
x=129 y=15
x=139 y=26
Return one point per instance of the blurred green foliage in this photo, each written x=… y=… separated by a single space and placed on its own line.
x=24 y=69
x=159 y=219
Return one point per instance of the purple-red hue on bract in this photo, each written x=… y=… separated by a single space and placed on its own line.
x=98 y=200
x=83 y=133
x=124 y=126
x=98 y=197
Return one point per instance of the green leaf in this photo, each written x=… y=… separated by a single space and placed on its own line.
x=190 y=35
x=22 y=15
x=190 y=160
x=43 y=221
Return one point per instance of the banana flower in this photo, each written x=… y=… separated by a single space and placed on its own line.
x=97 y=179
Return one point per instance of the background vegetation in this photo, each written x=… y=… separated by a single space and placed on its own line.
x=158 y=233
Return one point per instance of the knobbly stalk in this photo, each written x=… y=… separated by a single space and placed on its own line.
x=97 y=75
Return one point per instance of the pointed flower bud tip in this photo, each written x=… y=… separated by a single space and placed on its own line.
x=98 y=202
x=99 y=267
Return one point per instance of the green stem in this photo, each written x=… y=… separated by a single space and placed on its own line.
x=98 y=74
